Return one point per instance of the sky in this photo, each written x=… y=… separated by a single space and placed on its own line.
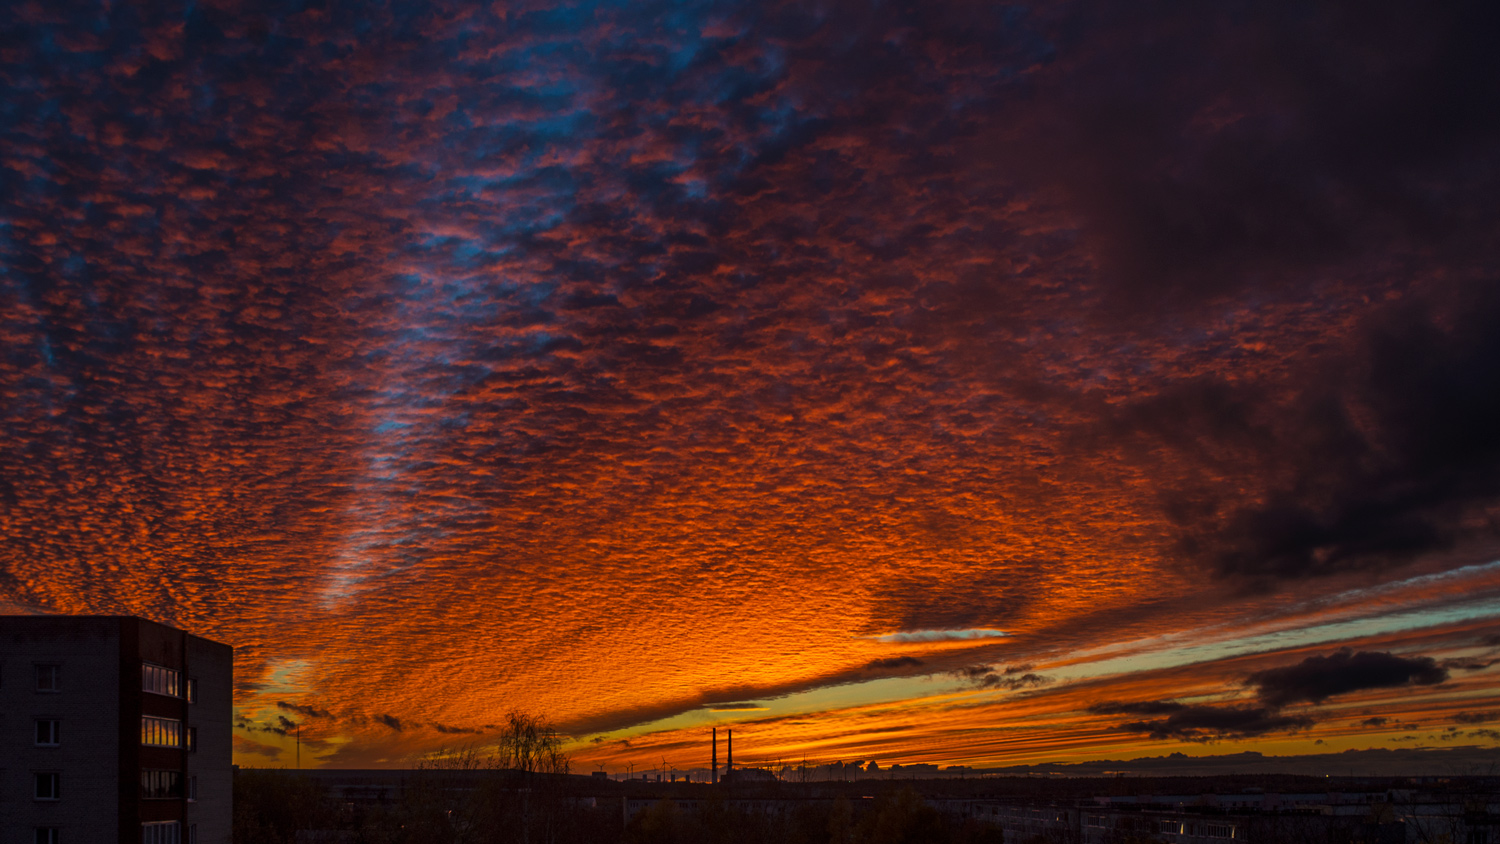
x=956 y=383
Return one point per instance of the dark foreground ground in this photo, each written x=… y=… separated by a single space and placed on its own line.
x=447 y=807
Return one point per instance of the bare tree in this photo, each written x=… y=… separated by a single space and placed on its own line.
x=508 y=789
x=529 y=745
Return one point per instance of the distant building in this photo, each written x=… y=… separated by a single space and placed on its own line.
x=739 y=775
x=113 y=728
x=1198 y=819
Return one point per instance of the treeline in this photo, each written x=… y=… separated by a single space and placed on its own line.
x=895 y=816
x=283 y=807
x=516 y=788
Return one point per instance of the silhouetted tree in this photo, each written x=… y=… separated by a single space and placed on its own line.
x=663 y=823
x=903 y=817
x=507 y=791
x=271 y=806
x=841 y=822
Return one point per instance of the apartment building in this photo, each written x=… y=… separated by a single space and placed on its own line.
x=113 y=728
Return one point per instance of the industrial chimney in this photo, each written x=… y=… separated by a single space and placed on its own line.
x=729 y=764
x=716 y=756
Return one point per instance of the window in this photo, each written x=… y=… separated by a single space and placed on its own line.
x=48 y=678
x=192 y=690
x=192 y=834
x=192 y=737
x=47 y=733
x=161 y=832
x=46 y=835
x=161 y=680
x=161 y=732
x=161 y=785
x=48 y=786
x=192 y=795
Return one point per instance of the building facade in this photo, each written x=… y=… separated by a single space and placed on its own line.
x=113 y=728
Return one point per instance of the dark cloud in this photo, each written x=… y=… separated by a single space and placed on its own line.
x=1467 y=664
x=1477 y=717
x=1215 y=723
x=304 y=711
x=390 y=721
x=715 y=698
x=1011 y=678
x=1213 y=148
x=282 y=726
x=1149 y=707
x=1369 y=458
x=892 y=663
x=743 y=706
x=1317 y=678
x=450 y=730
x=1313 y=680
x=995 y=595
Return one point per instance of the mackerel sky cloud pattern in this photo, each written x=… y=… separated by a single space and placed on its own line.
x=628 y=362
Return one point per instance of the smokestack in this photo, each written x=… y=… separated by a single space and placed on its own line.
x=729 y=765
x=716 y=756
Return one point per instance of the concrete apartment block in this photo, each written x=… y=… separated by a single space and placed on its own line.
x=113 y=728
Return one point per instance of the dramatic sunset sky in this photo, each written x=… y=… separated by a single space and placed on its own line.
x=947 y=382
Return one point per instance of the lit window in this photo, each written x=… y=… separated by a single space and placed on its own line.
x=161 y=832
x=48 y=786
x=48 y=678
x=161 y=732
x=48 y=733
x=46 y=835
x=161 y=680
x=192 y=690
x=192 y=738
